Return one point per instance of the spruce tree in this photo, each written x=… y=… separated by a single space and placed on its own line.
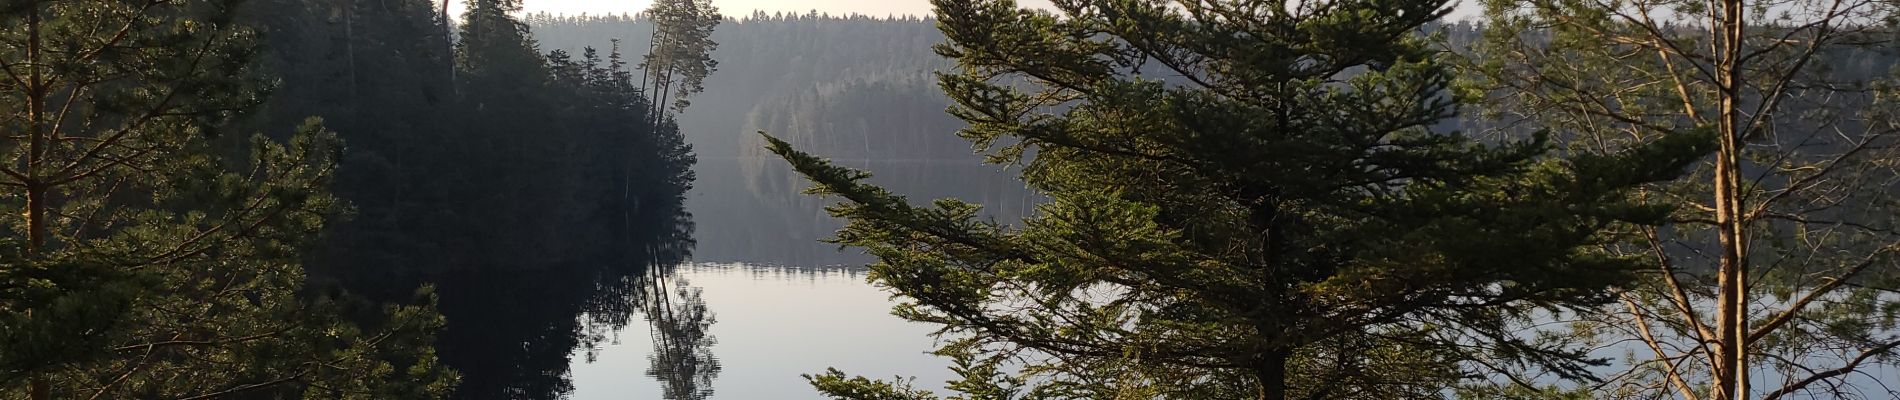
x=1246 y=200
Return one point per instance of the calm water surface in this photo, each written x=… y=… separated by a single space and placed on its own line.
x=777 y=302
x=771 y=324
x=741 y=325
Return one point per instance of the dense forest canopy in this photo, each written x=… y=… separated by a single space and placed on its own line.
x=162 y=246
x=449 y=168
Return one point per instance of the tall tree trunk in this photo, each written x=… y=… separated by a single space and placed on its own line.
x=36 y=147
x=646 y=68
x=37 y=387
x=1270 y=373
x=349 y=48
x=448 y=44
x=666 y=90
x=1732 y=364
x=625 y=176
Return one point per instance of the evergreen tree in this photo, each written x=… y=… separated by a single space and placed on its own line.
x=558 y=188
x=384 y=93
x=148 y=261
x=679 y=56
x=1275 y=222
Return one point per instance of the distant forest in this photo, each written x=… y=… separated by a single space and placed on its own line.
x=862 y=87
x=862 y=90
x=859 y=85
x=857 y=88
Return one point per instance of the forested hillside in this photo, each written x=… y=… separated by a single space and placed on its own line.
x=857 y=88
x=769 y=62
x=527 y=188
x=850 y=87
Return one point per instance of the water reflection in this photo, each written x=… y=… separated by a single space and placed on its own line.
x=526 y=331
x=682 y=359
x=773 y=324
x=513 y=331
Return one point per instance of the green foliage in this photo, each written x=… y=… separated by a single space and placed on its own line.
x=837 y=385
x=1811 y=126
x=160 y=256
x=679 y=55
x=72 y=306
x=1274 y=220
x=154 y=245
x=979 y=379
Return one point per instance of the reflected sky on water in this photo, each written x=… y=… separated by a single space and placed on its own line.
x=771 y=325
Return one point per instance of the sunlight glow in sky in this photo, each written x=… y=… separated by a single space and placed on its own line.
x=735 y=7
x=740 y=8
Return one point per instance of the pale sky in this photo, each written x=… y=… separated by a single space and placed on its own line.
x=737 y=7
x=877 y=8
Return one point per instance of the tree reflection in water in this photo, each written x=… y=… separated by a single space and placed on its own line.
x=682 y=358
x=513 y=331
x=678 y=321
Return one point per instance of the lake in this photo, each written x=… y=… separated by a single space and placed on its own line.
x=764 y=301
x=771 y=324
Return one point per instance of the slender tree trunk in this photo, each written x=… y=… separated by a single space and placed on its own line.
x=349 y=48
x=448 y=44
x=36 y=147
x=646 y=68
x=1271 y=374
x=1732 y=363
x=662 y=86
x=36 y=210
x=626 y=201
x=648 y=79
x=37 y=387
x=659 y=107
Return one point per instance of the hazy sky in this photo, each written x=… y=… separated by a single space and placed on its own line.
x=738 y=7
x=744 y=7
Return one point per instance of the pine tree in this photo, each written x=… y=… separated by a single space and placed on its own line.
x=149 y=261
x=1270 y=218
x=1776 y=270
x=679 y=56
